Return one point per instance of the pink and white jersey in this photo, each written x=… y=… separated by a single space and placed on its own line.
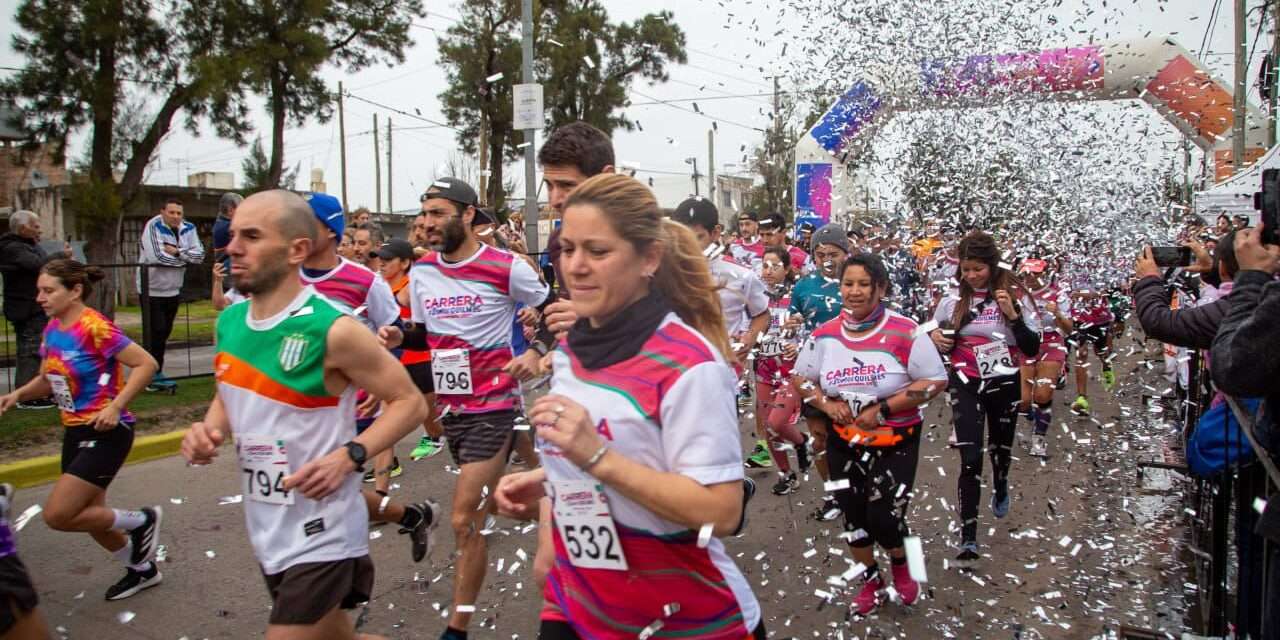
x=771 y=367
x=471 y=305
x=742 y=294
x=358 y=291
x=750 y=254
x=799 y=258
x=1091 y=309
x=880 y=364
x=987 y=327
x=1051 y=293
x=670 y=407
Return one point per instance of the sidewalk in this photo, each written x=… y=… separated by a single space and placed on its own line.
x=1084 y=546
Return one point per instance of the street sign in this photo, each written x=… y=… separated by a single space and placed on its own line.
x=527 y=106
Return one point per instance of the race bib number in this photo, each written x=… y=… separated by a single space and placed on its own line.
x=994 y=360
x=771 y=347
x=61 y=392
x=857 y=401
x=264 y=463
x=452 y=371
x=586 y=527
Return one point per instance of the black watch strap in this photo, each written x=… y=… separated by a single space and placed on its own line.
x=357 y=453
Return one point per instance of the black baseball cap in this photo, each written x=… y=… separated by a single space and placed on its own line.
x=396 y=248
x=773 y=221
x=807 y=226
x=697 y=212
x=452 y=189
x=483 y=216
x=750 y=215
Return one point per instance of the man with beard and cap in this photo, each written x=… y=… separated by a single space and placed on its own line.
x=748 y=249
x=462 y=298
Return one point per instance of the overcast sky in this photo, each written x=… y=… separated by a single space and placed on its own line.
x=725 y=59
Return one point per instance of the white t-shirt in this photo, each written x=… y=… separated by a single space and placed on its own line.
x=878 y=365
x=742 y=294
x=471 y=305
x=1051 y=293
x=671 y=407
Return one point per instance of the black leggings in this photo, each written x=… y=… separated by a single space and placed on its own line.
x=880 y=480
x=556 y=630
x=997 y=402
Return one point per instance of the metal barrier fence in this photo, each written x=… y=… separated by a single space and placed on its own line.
x=189 y=349
x=1214 y=519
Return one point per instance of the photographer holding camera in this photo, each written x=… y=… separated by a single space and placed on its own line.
x=1245 y=349
x=1192 y=327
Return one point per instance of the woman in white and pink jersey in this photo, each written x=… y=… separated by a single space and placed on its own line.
x=868 y=371
x=982 y=329
x=1040 y=373
x=777 y=407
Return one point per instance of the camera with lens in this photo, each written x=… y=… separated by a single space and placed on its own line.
x=1267 y=201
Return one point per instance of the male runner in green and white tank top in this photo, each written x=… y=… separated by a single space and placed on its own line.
x=287 y=366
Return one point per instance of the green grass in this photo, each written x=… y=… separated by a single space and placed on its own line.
x=18 y=425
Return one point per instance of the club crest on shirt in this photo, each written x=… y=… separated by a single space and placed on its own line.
x=292 y=350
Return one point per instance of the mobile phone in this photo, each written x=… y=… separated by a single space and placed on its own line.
x=1171 y=256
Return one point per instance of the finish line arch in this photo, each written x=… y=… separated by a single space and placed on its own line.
x=1157 y=71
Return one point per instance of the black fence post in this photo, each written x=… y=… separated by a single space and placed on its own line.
x=144 y=303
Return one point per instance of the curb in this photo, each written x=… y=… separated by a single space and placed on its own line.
x=37 y=471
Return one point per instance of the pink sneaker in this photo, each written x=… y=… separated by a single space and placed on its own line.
x=906 y=587
x=868 y=599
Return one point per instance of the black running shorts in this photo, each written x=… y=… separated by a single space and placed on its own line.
x=1095 y=333
x=476 y=437
x=420 y=372
x=95 y=456
x=307 y=592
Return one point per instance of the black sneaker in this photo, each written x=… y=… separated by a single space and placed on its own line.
x=133 y=582
x=145 y=539
x=786 y=485
x=968 y=556
x=830 y=510
x=420 y=536
x=42 y=403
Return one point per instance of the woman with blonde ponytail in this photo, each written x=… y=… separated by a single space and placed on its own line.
x=632 y=433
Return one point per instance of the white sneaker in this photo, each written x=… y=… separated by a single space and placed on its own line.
x=951 y=440
x=1039 y=446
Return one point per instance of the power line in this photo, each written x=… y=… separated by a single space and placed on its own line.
x=705 y=115
x=401 y=112
x=1213 y=17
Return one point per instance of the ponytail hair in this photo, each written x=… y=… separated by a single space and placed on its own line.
x=70 y=273
x=683 y=277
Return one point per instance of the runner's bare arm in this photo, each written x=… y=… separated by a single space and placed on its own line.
x=200 y=444
x=141 y=369
x=355 y=353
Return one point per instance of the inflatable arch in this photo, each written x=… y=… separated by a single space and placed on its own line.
x=1158 y=71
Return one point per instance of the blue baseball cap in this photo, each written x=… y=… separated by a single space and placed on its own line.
x=328 y=210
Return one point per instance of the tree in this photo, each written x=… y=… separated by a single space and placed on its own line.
x=284 y=46
x=582 y=78
x=84 y=59
x=257 y=170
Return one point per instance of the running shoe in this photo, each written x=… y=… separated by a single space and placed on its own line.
x=968 y=555
x=42 y=403
x=396 y=469
x=787 y=484
x=1000 y=500
x=422 y=533
x=804 y=454
x=427 y=447
x=1108 y=378
x=952 y=441
x=368 y=475
x=1039 y=446
x=760 y=457
x=161 y=382
x=908 y=589
x=145 y=537
x=1081 y=405
x=829 y=510
x=868 y=599
x=133 y=582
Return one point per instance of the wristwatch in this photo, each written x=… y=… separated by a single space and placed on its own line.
x=884 y=412
x=357 y=453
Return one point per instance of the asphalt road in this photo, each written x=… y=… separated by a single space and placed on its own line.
x=1084 y=548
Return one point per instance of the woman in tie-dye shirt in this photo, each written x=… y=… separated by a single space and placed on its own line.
x=83 y=369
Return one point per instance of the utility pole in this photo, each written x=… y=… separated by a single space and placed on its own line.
x=377 y=168
x=1275 y=71
x=693 y=160
x=711 y=165
x=530 y=173
x=342 y=144
x=390 y=207
x=1242 y=65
